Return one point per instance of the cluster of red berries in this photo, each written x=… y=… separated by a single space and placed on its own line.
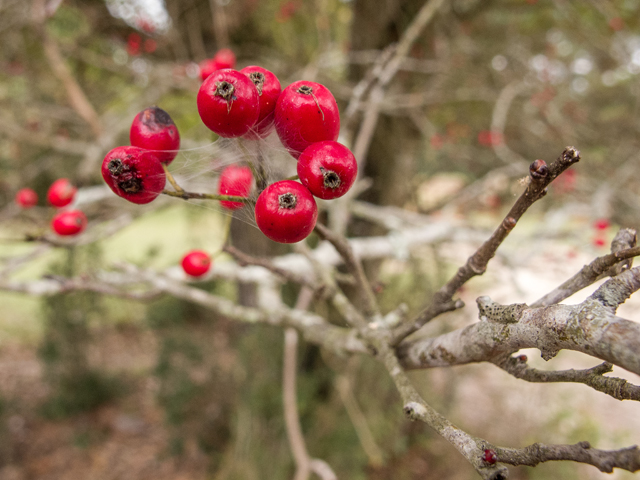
x=60 y=194
x=248 y=103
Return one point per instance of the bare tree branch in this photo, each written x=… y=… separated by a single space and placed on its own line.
x=594 y=377
x=590 y=327
x=623 y=248
x=541 y=176
x=604 y=460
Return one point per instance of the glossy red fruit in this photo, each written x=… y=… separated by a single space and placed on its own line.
x=69 y=222
x=328 y=169
x=153 y=129
x=234 y=181
x=286 y=212
x=26 y=198
x=224 y=58
x=269 y=90
x=61 y=193
x=134 y=174
x=228 y=103
x=306 y=112
x=196 y=263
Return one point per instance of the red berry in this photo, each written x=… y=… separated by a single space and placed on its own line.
x=196 y=263
x=269 y=90
x=601 y=224
x=306 y=112
x=286 y=212
x=153 y=129
x=26 y=198
x=134 y=174
x=234 y=181
x=328 y=169
x=61 y=193
x=224 y=58
x=207 y=67
x=228 y=103
x=490 y=456
x=599 y=242
x=69 y=222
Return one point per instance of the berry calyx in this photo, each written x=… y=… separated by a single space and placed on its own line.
x=26 y=198
x=489 y=456
x=269 y=89
x=328 y=169
x=61 y=193
x=196 y=263
x=306 y=113
x=235 y=181
x=70 y=222
x=134 y=174
x=286 y=212
x=228 y=103
x=153 y=129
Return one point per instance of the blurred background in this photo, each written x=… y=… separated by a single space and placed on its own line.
x=104 y=388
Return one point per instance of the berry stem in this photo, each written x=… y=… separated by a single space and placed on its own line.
x=172 y=180
x=205 y=196
x=293 y=177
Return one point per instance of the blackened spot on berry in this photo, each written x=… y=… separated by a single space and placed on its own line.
x=155 y=117
x=331 y=179
x=131 y=185
x=115 y=167
x=162 y=117
x=287 y=200
x=258 y=80
x=225 y=90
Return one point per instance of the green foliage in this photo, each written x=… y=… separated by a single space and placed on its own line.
x=75 y=386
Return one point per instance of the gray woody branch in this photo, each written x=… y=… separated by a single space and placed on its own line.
x=590 y=327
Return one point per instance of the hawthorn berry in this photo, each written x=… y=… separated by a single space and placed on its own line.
x=286 y=212
x=69 y=222
x=490 y=456
x=153 y=129
x=61 y=193
x=234 y=181
x=306 y=112
x=134 y=174
x=228 y=103
x=26 y=198
x=196 y=263
x=328 y=169
x=224 y=58
x=269 y=90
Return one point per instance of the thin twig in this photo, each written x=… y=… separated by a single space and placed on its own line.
x=355 y=267
x=611 y=264
x=171 y=180
x=604 y=460
x=594 y=377
x=243 y=260
x=290 y=404
x=541 y=176
x=205 y=196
